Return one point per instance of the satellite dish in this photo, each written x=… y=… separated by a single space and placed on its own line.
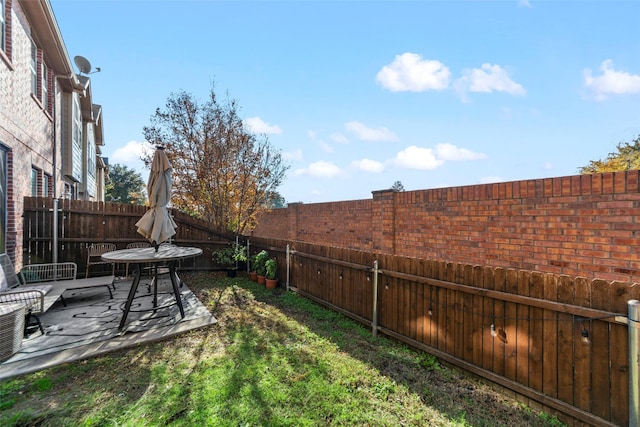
x=83 y=64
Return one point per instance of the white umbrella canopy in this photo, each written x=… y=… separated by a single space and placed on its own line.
x=156 y=225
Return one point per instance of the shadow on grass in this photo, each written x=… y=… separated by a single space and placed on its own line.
x=447 y=390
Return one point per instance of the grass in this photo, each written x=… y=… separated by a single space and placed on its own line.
x=273 y=359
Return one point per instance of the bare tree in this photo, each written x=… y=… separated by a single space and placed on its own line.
x=221 y=172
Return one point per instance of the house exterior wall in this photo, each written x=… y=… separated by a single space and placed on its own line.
x=27 y=118
x=581 y=226
x=24 y=128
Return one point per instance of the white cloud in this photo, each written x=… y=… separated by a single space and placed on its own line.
x=487 y=79
x=417 y=158
x=524 y=3
x=410 y=73
x=338 y=137
x=257 y=125
x=453 y=153
x=295 y=155
x=326 y=147
x=611 y=82
x=368 y=134
x=320 y=169
x=129 y=156
x=368 y=165
x=422 y=158
x=130 y=153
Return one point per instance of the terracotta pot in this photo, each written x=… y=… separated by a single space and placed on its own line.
x=261 y=280
x=253 y=276
x=271 y=283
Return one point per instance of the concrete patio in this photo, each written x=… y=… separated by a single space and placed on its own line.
x=88 y=325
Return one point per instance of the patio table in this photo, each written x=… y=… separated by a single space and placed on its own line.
x=166 y=254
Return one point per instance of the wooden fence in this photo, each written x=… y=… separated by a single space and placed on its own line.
x=81 y=223
x=551 y=339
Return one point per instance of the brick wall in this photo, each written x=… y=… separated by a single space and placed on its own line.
x=345 y=224
x=584 y=225
x=25 y=128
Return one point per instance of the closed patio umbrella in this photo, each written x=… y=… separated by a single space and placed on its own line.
x=156 y=225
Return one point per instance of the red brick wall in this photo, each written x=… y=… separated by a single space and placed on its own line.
x=584 y=225
x=345 y=224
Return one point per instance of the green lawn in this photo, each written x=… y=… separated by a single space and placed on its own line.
x=274 y=359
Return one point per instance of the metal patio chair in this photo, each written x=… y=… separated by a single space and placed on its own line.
x=94 y=255
x=133 y=245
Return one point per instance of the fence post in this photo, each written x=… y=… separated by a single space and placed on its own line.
x=248 y=256
x=634 y=362
x=54 y=232
x=288 y=265
x=235 y=248
x=374 y=322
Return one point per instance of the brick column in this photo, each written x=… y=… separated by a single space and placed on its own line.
x=292 y=210
x=383 y=221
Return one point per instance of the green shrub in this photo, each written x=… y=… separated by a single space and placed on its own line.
x=271 y=267
x=261 y=262
x=228 y=257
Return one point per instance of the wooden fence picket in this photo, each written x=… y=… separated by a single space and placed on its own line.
x=523 y=332
x=500 y=344
x=582 y=348
x=511 y=331
x=488 y=309
x=536 y=333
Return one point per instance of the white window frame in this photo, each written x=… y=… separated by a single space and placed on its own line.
x=46 y=178
x=33 y=67
x=44 y=84
x=76 y=138
x=34 y=182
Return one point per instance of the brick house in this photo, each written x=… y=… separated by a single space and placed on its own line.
x=50 y=130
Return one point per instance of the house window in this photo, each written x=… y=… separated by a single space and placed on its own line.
x=69 y=191
x=34 y=182
x=46 y=183
x=76 y=139
x=44 y=84
x=3 y=198
x=3 y=27
x=33 y=67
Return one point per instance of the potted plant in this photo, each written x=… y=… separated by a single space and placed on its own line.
x=228 y=258
x=252 y=266
x=239 y=254
x=260 y=263
x=271 y=267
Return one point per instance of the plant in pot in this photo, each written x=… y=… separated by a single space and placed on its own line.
x=252 y=266
x=228 y=258
x=271 y=267
x=260 y=263
x=239 y=255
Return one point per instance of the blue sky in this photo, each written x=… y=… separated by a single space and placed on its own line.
x=360 y=94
